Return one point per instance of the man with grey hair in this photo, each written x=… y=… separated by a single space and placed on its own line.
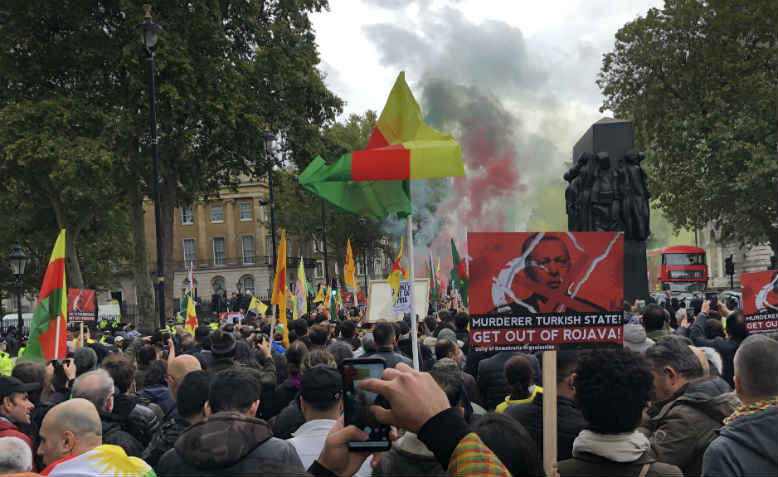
x=97 y=387
x=688 y=409
x=15 y=456
x=746 y=445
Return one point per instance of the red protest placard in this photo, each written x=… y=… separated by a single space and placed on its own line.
x=540 y=291
x=81 y=305
x=760 y=301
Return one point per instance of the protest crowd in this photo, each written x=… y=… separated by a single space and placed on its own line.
x=683 y=396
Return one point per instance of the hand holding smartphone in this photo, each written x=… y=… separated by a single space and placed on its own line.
x=357 y=402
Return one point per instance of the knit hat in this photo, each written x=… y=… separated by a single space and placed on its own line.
x=321 y=384
x=448 y=334
x=222 y=343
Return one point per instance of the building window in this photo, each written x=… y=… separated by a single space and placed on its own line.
x=248 y=249
x=319 y=270
x=187 y=218
x=248 y=285
x=217 y=213
x=245 y=211
x=189 y=252
x=269 y=246
x=378 y=265
x=318 y=245
x=360 y=268
x=218 y=250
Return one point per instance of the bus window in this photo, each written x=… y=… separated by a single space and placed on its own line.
x=683 y=259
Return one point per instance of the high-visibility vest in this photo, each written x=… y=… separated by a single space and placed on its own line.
x=214 y=325
x=6 y=365
x=20 y=353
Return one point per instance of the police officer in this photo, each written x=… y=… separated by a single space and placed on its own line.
x=6 y=365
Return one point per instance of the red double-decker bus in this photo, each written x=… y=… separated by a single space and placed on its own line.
x=681 y=269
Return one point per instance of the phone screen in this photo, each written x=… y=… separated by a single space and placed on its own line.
x=356 y=403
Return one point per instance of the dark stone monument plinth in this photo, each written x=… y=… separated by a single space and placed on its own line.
x=607 y=192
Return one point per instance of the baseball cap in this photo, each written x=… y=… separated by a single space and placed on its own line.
x=9 y=385
x=321 y=384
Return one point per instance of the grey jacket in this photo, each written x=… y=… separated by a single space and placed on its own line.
x=227 y=443
x=744 y=447
x=408 y=456
x=635 y=338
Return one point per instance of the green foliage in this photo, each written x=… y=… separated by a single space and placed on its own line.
x=700 y=81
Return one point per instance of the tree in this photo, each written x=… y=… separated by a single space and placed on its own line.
x=700 y=81
x=224 y=71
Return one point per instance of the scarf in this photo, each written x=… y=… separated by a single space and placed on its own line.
x=748 y=409
x=625 y=447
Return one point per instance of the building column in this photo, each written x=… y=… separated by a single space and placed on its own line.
x=231 y=248
x=201 y=239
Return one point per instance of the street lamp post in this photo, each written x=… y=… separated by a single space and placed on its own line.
x=324 y=243
x=18 y=261
x=268 y=136
x=149 y=34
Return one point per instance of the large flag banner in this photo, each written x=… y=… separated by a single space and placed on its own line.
x=191 y=316
x=257 y=306
x=279 y=287
x=81 y=305
x=397 y=273
x=459 y=278
x=373 y=183
x=546 y=291
x=760 y=301
x=301 y=290
x=48 y=329
x=350 y=268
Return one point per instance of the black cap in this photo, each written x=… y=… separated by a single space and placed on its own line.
x=9 y=385
x=321 y=384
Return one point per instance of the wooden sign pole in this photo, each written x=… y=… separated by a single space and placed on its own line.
x=82 y=335
x=549 y=412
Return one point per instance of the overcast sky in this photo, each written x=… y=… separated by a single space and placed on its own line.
x=527 y=65
x=537 y=55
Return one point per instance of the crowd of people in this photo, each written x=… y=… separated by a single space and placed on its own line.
x=685 y=395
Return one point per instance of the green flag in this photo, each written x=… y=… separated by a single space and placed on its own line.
x=458 y=274
x=374 y=199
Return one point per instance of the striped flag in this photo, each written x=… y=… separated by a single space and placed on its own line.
x=49 y=321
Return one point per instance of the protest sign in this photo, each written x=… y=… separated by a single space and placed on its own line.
x=380 y=296
x=81 y=305
x=546 y=291
x=403 y=303
x=760 y=301
x=231 y=316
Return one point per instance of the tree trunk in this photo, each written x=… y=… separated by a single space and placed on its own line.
x=140 y=264
x=72 y=266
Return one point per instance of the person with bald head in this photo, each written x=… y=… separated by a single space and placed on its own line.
x=179 y=367
x=71 y=443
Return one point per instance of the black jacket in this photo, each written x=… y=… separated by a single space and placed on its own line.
x=229 y=444
x=389 y=356
x=289 y=420
x=570 y=422
x=725 y=347
x=114 y=433
x=278 y=399
x=474 y=359
x=426 y=358
x=491 y=378
x=164 y=440
x=137 y=420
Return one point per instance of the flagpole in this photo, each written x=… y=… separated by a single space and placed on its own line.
x=414 y=329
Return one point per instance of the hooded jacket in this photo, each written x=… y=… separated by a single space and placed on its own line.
x=491 y=377
x=635 y=338
x=113 y=433
x=744 y=447
x=229 y=444
x=408 y=456
x=682 y=427
x=160 y=395
x=164 y=440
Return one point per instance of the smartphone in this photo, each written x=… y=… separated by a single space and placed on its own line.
x=356 y=404
x=714 y=300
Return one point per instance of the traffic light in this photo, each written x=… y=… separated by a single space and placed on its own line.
x=729 y=266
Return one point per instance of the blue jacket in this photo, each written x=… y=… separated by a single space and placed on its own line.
x=744 y=447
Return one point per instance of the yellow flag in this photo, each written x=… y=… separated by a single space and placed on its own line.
x=191 y=317
x=319 y=296
x=349 y=268
x=257 y=306
x=279 y=287
x=397 y=273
